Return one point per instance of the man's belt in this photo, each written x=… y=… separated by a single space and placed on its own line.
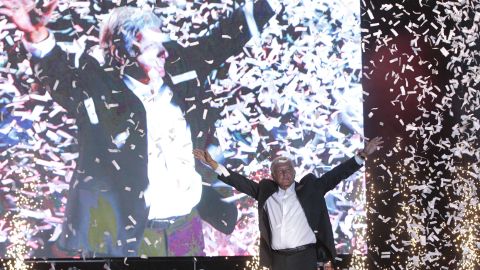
x=161 y=224
x=290 y=251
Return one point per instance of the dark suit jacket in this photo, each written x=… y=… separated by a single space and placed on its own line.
x=118 y=109
x=310 y=191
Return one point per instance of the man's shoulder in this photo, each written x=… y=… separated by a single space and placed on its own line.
x=266 y=182
x=308 y=177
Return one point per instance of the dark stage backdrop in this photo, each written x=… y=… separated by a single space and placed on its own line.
x=420 y=70
x=294 y=91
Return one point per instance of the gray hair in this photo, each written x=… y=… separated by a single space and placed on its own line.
x=280 y=160
x=123 y=24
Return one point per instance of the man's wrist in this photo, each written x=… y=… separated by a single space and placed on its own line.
x=213 y=165
x=38 y=35
x=41 y=48
x=222 y=171
x=361 y=154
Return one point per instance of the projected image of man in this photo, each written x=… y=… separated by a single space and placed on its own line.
x=136 y=125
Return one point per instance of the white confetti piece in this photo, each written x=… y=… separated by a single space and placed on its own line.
x=132 y=220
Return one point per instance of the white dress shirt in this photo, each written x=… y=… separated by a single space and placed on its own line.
x=288 y=222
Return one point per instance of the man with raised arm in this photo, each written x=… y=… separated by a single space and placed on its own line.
x=295 y=229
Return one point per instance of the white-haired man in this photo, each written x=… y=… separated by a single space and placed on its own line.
x=295 y=229
x=136 y=125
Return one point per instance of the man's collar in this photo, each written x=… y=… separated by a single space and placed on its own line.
x=290 y=189
x=139 y=88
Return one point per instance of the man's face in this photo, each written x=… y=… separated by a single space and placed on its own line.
x=152 y=54
x=283 y=174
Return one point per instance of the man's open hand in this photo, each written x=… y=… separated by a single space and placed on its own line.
x=372 y=146
x=28 y=18
x=205 y=158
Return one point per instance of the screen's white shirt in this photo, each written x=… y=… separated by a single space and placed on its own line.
x=174 y=185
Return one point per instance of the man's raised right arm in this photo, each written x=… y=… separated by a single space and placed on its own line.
x=239 y=182
x=49 y=63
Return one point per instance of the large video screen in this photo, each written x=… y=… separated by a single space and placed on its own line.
x=99 y=117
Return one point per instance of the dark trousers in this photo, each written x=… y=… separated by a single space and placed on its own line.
x=302 y=260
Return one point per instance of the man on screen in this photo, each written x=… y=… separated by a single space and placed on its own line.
x=295 y=229
x=138 y=118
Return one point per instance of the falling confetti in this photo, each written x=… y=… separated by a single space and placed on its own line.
x=426 y=53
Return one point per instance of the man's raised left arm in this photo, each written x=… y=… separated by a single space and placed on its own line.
x=232 y=33
x=331 y=179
